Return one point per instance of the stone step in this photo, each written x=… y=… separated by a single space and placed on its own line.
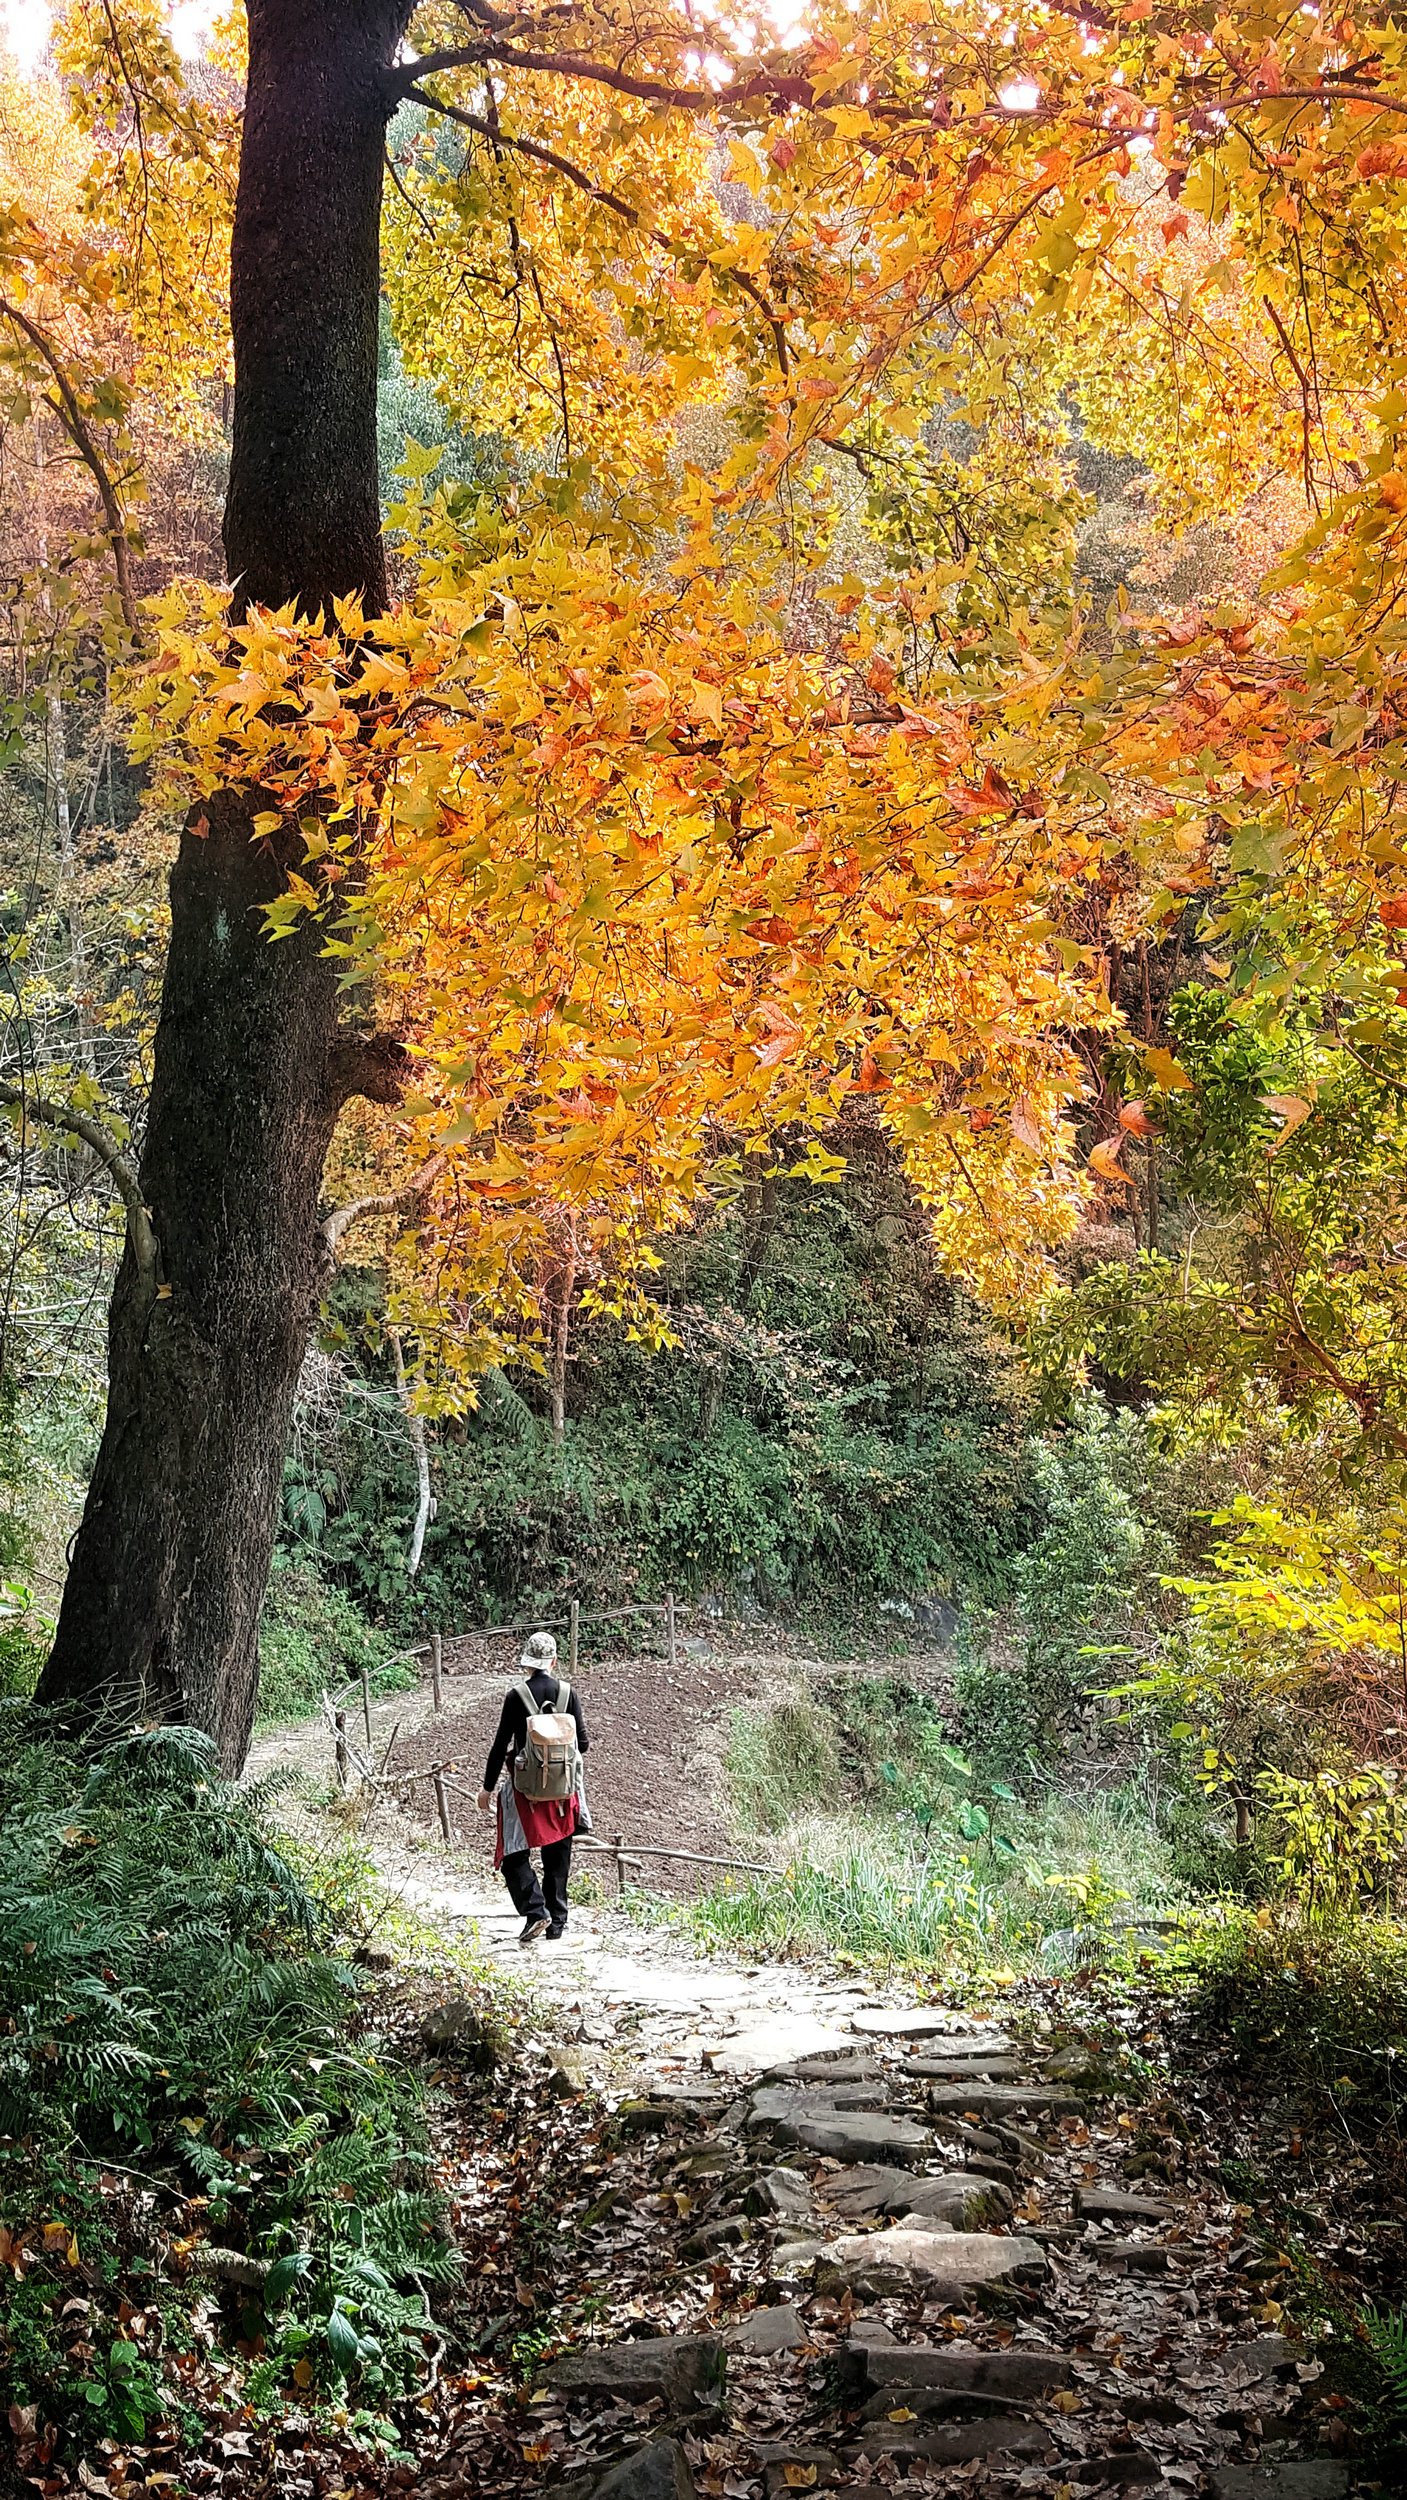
x=782 y=2329
x=1021 y=2373
x=999 y=2100
x=939 y=2265
x=861 y=2139
x=1294 y=2478
x=816 y=2467
x=1100 y=2204
x=1132 y=2256
x=963 y=2200
x=920 y=2022
x=950 y=2443
x=685 y=2370
x=840 y=2066
x=779 y=2104
x=962 y=2070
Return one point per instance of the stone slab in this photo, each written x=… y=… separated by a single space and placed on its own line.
x=684 y=2369
x=782 y=2329
x=1018 y=2374
x=940 y=2265
x=1099 y=2204
x=780 y=2104
x=960 y=2197
x=845 y=2065
x=998 y=2100
x=950 y=2443
x=867 y=2189
x=657 y=2472
x=784 y=2194
x=861 y=2139
x=779 y=2454
x=1298 y=2478
x=970 y=2050
x=962 y=2069
x=1132 y=2256
x=919 y=2022
x=777 y=2042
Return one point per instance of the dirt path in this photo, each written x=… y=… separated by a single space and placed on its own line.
x=778 y=2231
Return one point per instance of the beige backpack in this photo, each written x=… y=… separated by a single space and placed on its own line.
x=549 y=1763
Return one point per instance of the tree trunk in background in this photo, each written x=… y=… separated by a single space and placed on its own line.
x=161 y=1611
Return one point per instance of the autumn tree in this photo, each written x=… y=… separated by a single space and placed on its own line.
x=748 y=743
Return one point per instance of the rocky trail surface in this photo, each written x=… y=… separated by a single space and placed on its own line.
x=733 y=2232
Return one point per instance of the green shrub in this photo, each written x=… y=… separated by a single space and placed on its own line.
x=22 y=1649
x=1324 y=2003
x=170 y=1998
x=313 y=1640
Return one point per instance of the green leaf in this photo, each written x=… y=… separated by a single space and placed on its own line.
x=343 y=2341
x=285 y=2272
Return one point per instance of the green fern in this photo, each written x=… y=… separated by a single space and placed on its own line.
x=1386 y=2330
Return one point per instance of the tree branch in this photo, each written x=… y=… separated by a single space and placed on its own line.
x=105 y=1146
x=71 y=418
x=778 y=87
x=609 y=199
x=374 y=1065
x=388 y=1202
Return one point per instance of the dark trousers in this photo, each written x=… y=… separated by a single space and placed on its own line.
x=549 y=1898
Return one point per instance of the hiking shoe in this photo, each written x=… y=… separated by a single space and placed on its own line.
x=534 y=1928
x=553 y=1934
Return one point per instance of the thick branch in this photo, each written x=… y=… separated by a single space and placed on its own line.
x=105 y=1146
x=389 y=1202
x=71 y=418
x=778 y=87
x=374 y=1065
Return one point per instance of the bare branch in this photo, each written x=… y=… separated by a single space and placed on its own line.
x=104 y=1145
x=778 y=86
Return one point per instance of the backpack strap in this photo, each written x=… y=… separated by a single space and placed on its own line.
x=564 y=1695
x=523 y=1690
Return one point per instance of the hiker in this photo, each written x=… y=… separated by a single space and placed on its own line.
x=541 y=1737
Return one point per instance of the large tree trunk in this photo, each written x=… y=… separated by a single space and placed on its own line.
x=160 y=1614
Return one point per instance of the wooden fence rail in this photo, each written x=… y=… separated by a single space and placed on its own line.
x=622 y=1852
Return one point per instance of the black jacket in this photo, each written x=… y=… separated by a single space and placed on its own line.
x=543 y=1685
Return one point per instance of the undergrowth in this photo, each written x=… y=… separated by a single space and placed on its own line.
x=314 y=1640
x=1322 y=2001
x=175 y=2011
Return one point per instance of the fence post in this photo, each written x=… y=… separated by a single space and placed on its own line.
x=574 y=1626
x=339 y=1722
x=436 y=1666
x=618 y=1843
x=366 y=1708
x=443 y=1803
x=669 y=1626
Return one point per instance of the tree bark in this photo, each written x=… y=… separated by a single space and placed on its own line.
x=161 y=1610
x=302 y=520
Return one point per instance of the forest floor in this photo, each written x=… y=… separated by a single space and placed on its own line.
x=742 y=2228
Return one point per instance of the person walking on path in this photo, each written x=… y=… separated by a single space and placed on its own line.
x=540 y=1803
